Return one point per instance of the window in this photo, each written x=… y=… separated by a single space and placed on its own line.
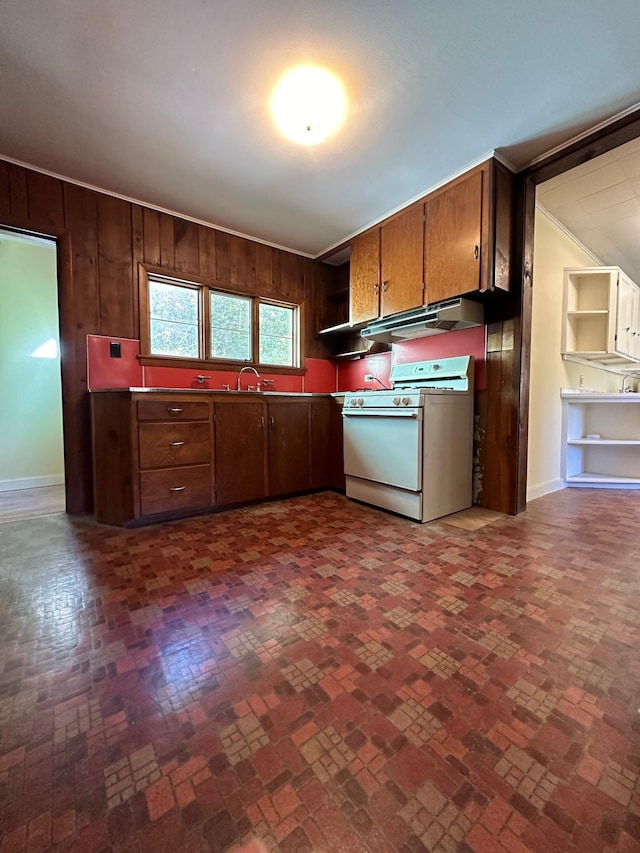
x=174 y=319
x=196 y=321
x=230 y=326
x=276 y=334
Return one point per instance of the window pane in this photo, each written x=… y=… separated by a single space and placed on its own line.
x=174 y=339
x=276 y=320
x=173 y=320
x=276 y=334
x=275 y=350
x=230 y=326
x=172 y=302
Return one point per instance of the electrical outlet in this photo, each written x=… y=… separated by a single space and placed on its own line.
x=368 y=377
x=581 y=381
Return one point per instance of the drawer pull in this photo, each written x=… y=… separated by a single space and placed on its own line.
x=177 y=488
x=175 y=410
x=177 y=443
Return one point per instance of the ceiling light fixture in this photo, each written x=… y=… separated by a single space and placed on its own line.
x=308 y=104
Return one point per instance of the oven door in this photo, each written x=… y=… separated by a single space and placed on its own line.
x=384 y=446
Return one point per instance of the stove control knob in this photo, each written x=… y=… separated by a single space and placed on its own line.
x=396 y=401
x=360 y=401
x=352 y=401
x=406 y=401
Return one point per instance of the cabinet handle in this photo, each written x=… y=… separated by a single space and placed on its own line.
x=177 y=488
x=272 y=421
x=385 y=286
x=174 y=411
x=476 y=252
x=376 y=289
x=177 y=443
x=261 y=421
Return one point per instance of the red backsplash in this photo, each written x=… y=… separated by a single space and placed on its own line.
x=351 y=372
x=472 y=341
x=322 y=376
x=103 y=371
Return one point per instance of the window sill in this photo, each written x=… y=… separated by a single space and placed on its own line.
x=228 y=366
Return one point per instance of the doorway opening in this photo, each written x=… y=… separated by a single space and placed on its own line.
x=31 y=452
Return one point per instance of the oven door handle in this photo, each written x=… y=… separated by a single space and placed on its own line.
x=383 y=413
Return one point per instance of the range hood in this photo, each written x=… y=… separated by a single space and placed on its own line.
x=431 y=320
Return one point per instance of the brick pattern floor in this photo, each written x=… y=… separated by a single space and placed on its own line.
x=326 y=677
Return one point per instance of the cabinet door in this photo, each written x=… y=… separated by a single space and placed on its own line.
x=452 y=240
x=401 y=254
x=364 y=278
x=240 y=444
x=289 y=447
x=626 y=317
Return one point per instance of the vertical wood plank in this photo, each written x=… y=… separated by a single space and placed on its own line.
x=291 y=282
x=185 y=238
x=151 y=221
x=137 y=246
x=167 y=242
x=526 y=196
x=207 y=251
x=81 y=220
x=46 y=208
x=18 y=193
x=5 y=198
x=80 y=304
x=75 y=416
x=114 y=267
x=223 y=262
x=243 y=263
x=264 y=269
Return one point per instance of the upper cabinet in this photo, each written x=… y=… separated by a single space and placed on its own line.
x=364 y=279
x=468 y=234
x=386 y=268
x=401 y=259
x=601 y=315
x=456 y=241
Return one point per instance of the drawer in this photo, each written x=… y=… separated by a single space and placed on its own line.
x=174 y=489
x=162 y=445
x=173 y=410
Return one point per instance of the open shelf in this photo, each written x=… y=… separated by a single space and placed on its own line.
x=587 y=477
x=606 y=442
x=601 y=462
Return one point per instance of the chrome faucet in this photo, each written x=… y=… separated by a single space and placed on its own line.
x=624 y=380
x=242 y=370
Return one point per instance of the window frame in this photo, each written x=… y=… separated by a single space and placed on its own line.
x=204 y=286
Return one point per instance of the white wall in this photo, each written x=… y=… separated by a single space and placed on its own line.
x=30 y=388
x=554 y=249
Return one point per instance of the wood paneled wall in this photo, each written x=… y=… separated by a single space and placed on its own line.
x=101 y=239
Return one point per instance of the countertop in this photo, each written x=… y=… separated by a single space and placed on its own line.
x=222 y=391
x=600 y=396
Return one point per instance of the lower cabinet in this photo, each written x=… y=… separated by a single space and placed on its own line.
x=159 y=455
x=289 y=446
x=240 y=439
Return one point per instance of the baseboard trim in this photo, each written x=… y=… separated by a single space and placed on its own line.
x=31 y=483
x=543 y=489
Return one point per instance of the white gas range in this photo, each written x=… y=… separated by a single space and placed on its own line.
x=410 y=449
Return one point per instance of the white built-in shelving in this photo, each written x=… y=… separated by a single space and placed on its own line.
x=601 y=446
x=601 y=317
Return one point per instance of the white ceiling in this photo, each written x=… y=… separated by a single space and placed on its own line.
x=166 y=102
x=599 y=203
